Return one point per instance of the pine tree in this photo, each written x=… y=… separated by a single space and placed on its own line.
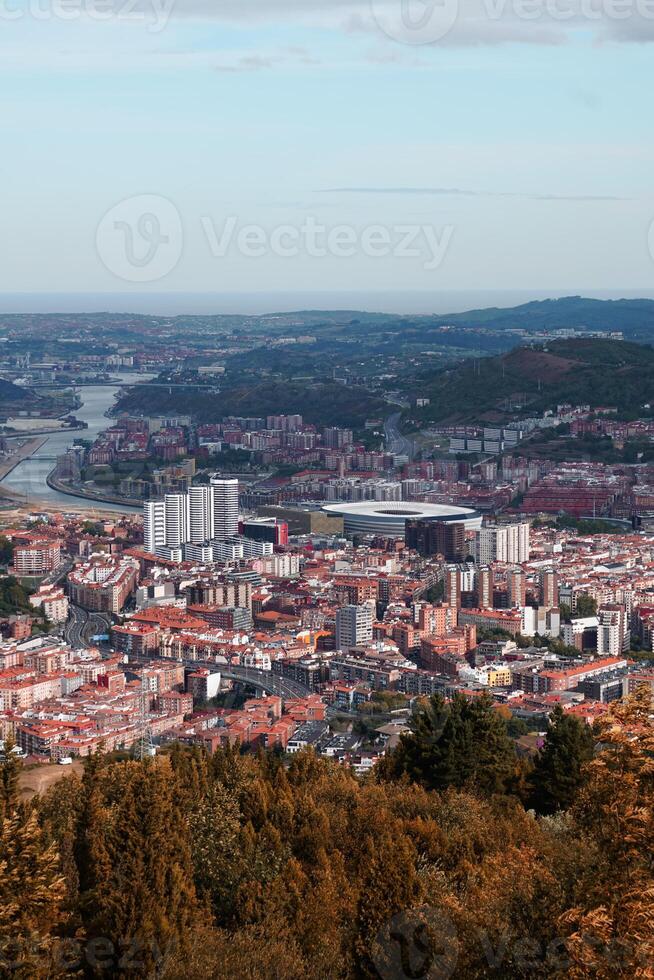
x=493 y=756
x=326 y=920
x=91 y=843
x=59 y=812
x=611 y=930
x=191 y=772
x=416 y=753
x=32 y=893
x=462 y=744
x=10 y=769
x=388 y=884
x=215 y=829
x=148 y=903
x=558 y=769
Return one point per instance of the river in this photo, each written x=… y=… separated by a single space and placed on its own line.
x=29 y=477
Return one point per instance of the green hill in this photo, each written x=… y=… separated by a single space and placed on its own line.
x=635 y=317
x=320 y=403
x=530 y=380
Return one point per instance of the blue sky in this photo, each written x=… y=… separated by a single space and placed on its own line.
x=524 y=146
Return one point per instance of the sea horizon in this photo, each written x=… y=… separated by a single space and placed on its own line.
x=259 y=303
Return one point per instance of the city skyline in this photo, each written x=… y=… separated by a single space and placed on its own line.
x=327 y=489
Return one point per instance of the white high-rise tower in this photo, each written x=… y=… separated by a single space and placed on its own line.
x=200 y=514
x=225 y=508
x=354 y=626
x=154 y=525
x=176 y=519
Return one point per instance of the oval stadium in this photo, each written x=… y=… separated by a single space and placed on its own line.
x=387 y=518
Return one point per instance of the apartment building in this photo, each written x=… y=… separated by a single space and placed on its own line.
x=103 y=585
x=37 y=558
x=508 y=543
x=354 y=626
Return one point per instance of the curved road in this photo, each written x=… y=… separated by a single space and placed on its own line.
x=395 y=442
x=82 y=625
x=264 y=680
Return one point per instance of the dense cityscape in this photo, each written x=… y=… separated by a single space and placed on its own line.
x=327 y=490
x=464 y=605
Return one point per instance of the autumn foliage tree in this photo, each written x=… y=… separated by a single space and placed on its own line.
x=234 y=865
x=613 y=926
x=32 y=887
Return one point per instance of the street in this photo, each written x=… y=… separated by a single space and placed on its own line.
x=82 y=625
x=263 y=679
x=395 y=442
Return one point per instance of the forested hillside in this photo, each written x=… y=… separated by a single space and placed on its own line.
x=530 y=380
x=319 y=403
x=257 y=867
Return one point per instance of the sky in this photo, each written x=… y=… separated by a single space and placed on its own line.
x=264 y=146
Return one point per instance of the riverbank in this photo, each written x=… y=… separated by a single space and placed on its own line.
x=62 y=430
x=129 y=503
x=29 y=480
x=9 y=465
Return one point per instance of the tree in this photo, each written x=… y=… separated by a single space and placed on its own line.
x=6 y=551
x=586 y=605
x=215 y=829
x=612 y=926
x=516 y=726
x=463 y=744
x=93 y=528
x=558 y=770
x=10 y=769
x=90 y=846
x=14 y=598
x=32 y=892
x=436 y=592
x=59 y=811
x=148 y=902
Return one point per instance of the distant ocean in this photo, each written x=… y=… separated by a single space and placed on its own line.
x=171 y=304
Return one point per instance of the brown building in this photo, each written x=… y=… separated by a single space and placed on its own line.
x=427 y=537
x=517 y=588
x=135 y=638
x=304 y=521
x=484 y=587
x=549 y=588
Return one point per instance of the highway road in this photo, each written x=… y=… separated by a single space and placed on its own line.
x=82 y=625
x=54 y=578
x=275 y=684
x=395 y=441
x=263 y=679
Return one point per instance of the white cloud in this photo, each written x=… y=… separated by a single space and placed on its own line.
x=411 y=23
x=347 y=33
